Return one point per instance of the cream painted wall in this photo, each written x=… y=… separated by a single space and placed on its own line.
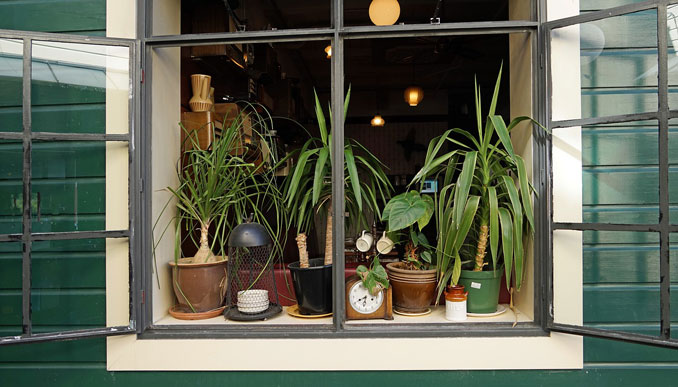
x=166 y=114
x=557 y=351
x=521 y=81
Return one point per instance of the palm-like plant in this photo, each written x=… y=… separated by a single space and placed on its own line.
x=309 y=185
x=218 y=189
x=488 y=203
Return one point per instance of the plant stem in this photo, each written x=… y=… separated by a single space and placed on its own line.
x=204 y=253
x=328 y=235
x=303 y=252
x=482 y=246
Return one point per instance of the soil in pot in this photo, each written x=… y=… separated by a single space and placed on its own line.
x=413 y=290
x=203 y=285
x=313 y=286
x=483 y=290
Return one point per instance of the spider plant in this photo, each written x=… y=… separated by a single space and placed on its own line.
x=488 y=203
x=309 y=185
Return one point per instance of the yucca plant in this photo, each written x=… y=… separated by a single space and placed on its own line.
x=489 y=203
x=308 y=187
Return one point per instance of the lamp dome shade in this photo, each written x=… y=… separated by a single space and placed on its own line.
x=414 y=95
x=377 y=121
x=384 y=12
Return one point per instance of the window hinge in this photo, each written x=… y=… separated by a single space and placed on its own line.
x=143 y=296
x=143 y=75
x=141 y=185
x=541 y=61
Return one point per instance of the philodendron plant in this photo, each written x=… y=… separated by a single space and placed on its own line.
x=308 y=187
x=412 y=211
x=489 y=203
x=375 y=278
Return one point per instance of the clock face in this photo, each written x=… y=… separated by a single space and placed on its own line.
x=362 y=301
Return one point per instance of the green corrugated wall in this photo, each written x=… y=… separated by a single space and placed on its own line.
x=621 y=270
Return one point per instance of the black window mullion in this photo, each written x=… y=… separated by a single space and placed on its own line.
x=337 y=98
x=27 y=328
x=663 y=143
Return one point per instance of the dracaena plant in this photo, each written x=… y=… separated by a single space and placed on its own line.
x=488 y=206
x=308 y=187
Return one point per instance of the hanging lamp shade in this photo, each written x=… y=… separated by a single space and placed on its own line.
x=414 y=95
x=384 y=12
x=328 y=51
x=377 y=121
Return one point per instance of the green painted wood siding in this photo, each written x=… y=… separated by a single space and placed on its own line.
x=620 y=269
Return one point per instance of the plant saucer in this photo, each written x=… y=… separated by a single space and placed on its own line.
x=183 y=313
x=294 y=312
x=412 y=314
x=500 y=309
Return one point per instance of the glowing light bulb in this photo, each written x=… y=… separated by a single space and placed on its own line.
x=413 y=95
x=328 y=51
x=377 y=121
x=384 y=12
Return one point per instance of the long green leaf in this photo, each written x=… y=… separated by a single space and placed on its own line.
x=319 y=177
x=503 y=134
x=518 y=250
x=494 y=224
x=298 y=173
x=525 y=191
x=322 y=125
x=513 y=195
x=466 y=221
x=464 y=184
x=507 y=242
x=353 y=175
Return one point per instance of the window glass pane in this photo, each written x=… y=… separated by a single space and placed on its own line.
x=199 y=17
x=68 y=282
x=11 y=70
x=586 y=6
x=388 y=12
x=617 y=181
x=264 y=94
x=673 y=54
x=620 y=278
x=74 y=84
x=69 y=182
x=609 y=66
x=10 y=289
x=11 y=191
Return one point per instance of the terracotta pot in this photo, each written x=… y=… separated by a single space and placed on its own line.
x=413 y=290
x=202 y=284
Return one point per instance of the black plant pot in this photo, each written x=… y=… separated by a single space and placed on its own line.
x=313 y=286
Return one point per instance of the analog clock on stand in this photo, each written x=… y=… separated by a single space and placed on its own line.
x=361 y=305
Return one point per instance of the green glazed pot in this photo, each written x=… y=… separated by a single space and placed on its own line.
x=483 y=290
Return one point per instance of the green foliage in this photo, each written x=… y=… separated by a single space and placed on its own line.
x=308 y=188
x=218 y=188
x=485 y=195
x=408 y=208
x=375 y=278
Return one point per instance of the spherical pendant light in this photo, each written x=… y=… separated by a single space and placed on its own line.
x=384 y=12
x=377 y=121
x=414 y=95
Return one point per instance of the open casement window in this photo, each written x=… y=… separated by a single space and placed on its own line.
x=67 y=133
x=610 y=169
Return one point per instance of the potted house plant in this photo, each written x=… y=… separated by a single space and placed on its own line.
x=414 y=278
x=488 y=206
x=217 y=190
x=308 y=190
